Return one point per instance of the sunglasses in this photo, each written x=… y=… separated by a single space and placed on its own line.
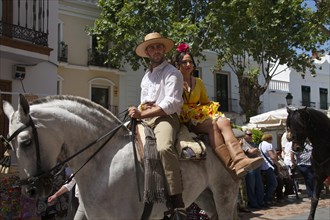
x=249 y=134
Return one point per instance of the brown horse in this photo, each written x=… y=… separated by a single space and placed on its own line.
x=312 y=124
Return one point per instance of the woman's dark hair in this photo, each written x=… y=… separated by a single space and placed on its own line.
x=179 y=57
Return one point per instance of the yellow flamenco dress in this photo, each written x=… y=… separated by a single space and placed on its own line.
x=197 y=107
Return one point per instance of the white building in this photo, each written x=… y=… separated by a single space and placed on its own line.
x=28 y=51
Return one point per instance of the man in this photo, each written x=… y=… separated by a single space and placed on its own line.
x=253 y=180
x=161 y=102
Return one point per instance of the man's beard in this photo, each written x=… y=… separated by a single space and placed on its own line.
x=156 y=62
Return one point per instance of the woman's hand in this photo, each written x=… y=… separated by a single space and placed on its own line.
x=146 y=105
x=52 y=198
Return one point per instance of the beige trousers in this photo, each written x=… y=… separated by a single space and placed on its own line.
x=166 y=129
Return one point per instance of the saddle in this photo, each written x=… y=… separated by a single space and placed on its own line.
x=189 y=146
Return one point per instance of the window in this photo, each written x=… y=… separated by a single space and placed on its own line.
x=100 y=95
x=101 y=92
x=306 y=96
x=197 y=73
x=222 y=91
x=323 y=98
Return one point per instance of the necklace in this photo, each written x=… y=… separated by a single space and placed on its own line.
x=187 y=89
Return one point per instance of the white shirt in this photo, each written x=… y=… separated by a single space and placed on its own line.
x=164 y=86
x=70 y=185
x=287 y=154
x=265 y=147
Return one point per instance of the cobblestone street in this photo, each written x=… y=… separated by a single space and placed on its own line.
x=290 y=210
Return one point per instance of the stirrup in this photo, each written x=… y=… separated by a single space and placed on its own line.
x=175 y=214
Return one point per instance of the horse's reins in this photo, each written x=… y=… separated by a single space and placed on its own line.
x=32 y=180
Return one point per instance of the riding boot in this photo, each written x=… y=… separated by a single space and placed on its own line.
x=224 y=156
x=242 y=163
x=178 y=211
x=234 y=158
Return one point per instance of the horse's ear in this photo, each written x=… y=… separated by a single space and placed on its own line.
x=7 y=109
x=23 y=106
x=289 y=110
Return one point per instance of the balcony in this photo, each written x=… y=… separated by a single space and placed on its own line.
x=96 y=58
x=278 y=86
x=24 y=25
x=308 y=104
x=100 y=59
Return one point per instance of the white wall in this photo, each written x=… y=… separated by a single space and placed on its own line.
x=41 y=70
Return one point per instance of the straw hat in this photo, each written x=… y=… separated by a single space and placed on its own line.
x=238 y=133
x=153 y=38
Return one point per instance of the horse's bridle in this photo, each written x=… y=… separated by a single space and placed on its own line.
x=301 y=144
x=45 y=177
x=41 y=176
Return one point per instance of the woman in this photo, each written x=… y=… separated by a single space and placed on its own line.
x=80 y=213
x=202 y=116
x=268 y=167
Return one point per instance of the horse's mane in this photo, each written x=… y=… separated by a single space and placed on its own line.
x=319 y=120
x=314 y=118
x=83 y=101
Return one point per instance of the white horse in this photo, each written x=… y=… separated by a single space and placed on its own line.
x=56 y=127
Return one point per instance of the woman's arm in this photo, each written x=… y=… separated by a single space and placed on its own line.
x=273 y=156
x=59 y=192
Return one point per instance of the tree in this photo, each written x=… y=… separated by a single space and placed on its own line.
x=271 y=33
x=321 y=16
x=252 y=36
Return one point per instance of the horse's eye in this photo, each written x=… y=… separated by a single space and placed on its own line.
x=27 y=142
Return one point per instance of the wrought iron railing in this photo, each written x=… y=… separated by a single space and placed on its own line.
x=308 y=104
x=96 y=58
x=25 y=20
x=62 y=52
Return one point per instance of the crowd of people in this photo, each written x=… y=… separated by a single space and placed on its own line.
x=276 y=179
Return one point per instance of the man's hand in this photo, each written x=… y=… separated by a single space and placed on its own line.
x=133 y=112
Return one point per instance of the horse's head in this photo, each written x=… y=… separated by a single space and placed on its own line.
x=24 y=141
x=297 y=127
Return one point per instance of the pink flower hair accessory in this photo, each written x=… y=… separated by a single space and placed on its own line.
x=182 y=47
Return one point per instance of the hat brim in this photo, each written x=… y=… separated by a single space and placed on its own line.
x=140 y=50
x=238 y=133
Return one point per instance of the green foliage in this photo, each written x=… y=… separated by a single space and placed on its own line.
x=252 y=36
x=263 y=29
x=256 y=136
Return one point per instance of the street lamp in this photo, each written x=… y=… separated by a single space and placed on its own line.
x=289 y=98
